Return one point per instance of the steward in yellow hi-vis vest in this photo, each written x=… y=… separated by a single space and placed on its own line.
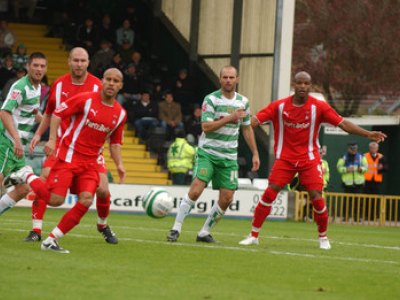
x=180 y=158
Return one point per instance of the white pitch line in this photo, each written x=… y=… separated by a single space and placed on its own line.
x=345 y=258
x=233 y=248
x=240 y=236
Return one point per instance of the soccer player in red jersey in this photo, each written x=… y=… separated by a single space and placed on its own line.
x=296 y=121
x=76 y=81
x=95 y=118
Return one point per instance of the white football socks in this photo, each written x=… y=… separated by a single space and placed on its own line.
x=184 y=209
x=215 y=215
x=6 y=202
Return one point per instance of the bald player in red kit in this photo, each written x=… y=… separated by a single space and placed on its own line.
x=297 y=120
x=78 y=80
x=95 y=118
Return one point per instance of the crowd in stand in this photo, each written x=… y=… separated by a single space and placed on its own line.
x=115 y=35
x=152 y=97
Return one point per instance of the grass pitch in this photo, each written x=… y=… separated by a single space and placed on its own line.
x=364 y=262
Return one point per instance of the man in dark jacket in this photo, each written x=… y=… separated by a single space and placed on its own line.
x=144 y=115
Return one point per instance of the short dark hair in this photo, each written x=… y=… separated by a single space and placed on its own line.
x=36 y=55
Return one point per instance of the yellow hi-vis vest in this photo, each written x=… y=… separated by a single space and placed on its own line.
x=180 y=156
x=372 y=172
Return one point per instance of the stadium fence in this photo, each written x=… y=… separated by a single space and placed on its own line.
x=343 y=208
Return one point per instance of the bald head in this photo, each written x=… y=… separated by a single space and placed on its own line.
x=115 y=72
x=302 y=76
x=302 y=86
x=78 y=62
x=78 y=51
x=228 y=68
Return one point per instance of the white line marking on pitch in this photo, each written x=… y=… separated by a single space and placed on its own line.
x=241 y=249
x=396 y=248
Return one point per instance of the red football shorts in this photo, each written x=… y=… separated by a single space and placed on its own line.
x=310 y=174
x=101 y=163
x=82 y=177
x=49 y=161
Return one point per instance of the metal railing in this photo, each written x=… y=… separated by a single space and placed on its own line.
x=343 y=208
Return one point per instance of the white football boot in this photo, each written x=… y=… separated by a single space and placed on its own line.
x=250 y=240
x=324 y=243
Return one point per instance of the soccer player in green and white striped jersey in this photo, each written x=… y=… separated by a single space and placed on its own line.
x=18 y=115
x=224 y=112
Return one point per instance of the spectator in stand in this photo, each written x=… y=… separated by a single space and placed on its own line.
x=20 y=57
x=87 y=36
x=158 y=93
x=19 y=73
x=102 y=59
x=7 y=71
x=144 y=115
x=126 y=52
x=107 y=31
x=117 y=62
x=130 y=14
x=180 y=158
x=4 y=7
x=193 y=126
x=170 y=115
x=142 y=68
x=130 y=92
x=29 y=5
x=125 y=34
x=183 y=89
x=7 y=39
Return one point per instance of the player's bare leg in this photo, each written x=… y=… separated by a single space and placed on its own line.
x=187 y=203
x=103 y=210
x=320 y=212
x=216 y=214
x=39 y=207
x=261 y=212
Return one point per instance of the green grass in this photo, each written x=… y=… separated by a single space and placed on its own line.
x=364 y=262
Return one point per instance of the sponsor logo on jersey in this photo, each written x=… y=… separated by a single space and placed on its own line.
x=15 y=94
x=98 y=127
x=296 y=125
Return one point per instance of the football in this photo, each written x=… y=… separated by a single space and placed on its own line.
x=157 y=203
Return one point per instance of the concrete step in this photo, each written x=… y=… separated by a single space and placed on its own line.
x=130 y=154
x=153 y=181
x=133 y=160
x=142 y=174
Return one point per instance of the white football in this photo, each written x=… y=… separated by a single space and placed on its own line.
x=157 y=203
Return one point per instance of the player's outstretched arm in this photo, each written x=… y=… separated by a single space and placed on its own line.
x=248 y=135
x=44 y=124
x=115 y=152
x=352 y=128
x=50 y=146
x=8 y=123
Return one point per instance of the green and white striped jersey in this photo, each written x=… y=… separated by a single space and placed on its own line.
x=223 y=142
x=22 y=102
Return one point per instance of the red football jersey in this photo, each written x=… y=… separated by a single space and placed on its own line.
x=92 y=123
x=296 y=128
x=63 y=89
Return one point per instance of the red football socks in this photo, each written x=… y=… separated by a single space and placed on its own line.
x=72 y=217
